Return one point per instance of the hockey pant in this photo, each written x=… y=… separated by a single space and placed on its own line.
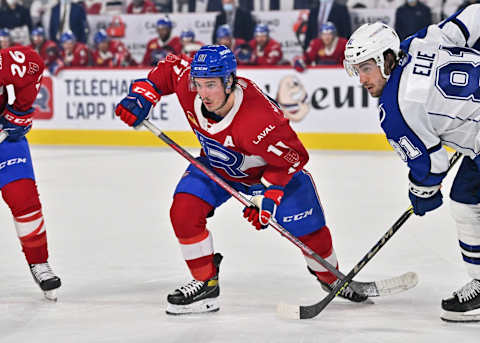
x=196 y=197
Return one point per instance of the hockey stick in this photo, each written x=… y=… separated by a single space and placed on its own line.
x=310 y=311
x=371 y=289
x=3 y=135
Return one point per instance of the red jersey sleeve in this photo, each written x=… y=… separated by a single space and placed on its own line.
x=270 y=136
x=23 y=68
x=167 y=74
x=311 y=53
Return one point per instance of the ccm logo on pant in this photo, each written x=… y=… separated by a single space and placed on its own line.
x=12 y=161
x=298 y=216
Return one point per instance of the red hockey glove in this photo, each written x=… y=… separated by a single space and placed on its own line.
x=135 y=107
x=266 y=207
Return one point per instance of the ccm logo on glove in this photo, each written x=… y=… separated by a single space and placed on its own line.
x=146 y=93
x=18 y=120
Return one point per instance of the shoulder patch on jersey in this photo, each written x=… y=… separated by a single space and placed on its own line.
x=33 y=68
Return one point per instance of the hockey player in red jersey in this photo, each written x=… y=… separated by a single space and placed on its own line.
x=6 y=39
x=265 y=50
x=47 y=49
x=328 y=48
x=189 y=45
x=73 y=53
x=20 y=78
x=110 y=52
x=246 y=140
x=159 y=47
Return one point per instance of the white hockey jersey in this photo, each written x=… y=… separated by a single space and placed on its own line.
x=432 y=97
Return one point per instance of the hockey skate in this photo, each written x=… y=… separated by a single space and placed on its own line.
x=463 y=305
x=346 y=293
x=45 y=278
x=196 y=296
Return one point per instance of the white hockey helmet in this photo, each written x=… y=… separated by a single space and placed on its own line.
x=370 y=41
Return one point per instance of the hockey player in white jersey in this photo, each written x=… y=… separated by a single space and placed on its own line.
x=429 y=93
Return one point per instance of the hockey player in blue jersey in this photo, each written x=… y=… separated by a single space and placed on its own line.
x=429 y=93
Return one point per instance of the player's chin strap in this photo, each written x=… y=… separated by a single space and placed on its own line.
x=150 y=126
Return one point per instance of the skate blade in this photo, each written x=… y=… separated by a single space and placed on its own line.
x=461 y=317
x=50 y=295
x=203 y=306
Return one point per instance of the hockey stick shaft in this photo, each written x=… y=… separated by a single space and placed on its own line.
x=3 y=135
x=311 y=311
x=246 y=202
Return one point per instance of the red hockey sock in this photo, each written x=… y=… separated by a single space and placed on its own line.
x=320 y=241
x=188 y=215
x=22 y=198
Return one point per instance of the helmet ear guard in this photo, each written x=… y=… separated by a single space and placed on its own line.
x=370 y=41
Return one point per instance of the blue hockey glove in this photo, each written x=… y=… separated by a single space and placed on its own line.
x=266 y=206
x=135 y=107
x=424 y=198
x=16 y=123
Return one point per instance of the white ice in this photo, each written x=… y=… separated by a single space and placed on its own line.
x=110 y=240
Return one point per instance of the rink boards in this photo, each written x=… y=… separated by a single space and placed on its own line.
x=328 y=109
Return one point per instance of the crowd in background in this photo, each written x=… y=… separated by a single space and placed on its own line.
x=325 y=30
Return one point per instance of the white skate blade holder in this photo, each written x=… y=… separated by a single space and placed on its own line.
x=50 y=295
x=202 y=306
x=461 y=317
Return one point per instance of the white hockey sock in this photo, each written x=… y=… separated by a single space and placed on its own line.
x=467 y=218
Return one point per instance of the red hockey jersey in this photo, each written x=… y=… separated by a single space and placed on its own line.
x=21 y=67
x=157 y=50
x=317 y=54
x=48 y=51
x=253 y=142
x=271 y=54
x=80 y=56
x=117 y=55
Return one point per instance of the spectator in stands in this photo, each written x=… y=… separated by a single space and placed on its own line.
x=466 y=3
x=47 y=49
x=141 y=6
x=239 y=20
x=328 y=48
x=189 y=45
x=110 y=52
x=411 y=17
x=159 y=47
x=14 y=15
x=338 y=14
x=76 y=22
x=73 y=53
x=265 y=50
x=166 y=6
x=271 y=5
x=16 y=18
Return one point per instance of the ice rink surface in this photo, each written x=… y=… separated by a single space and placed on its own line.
x=111 y=242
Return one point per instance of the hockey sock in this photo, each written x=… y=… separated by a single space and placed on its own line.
x=22 y=198
x=467 y=218
x=188 y=215
x=320 y=241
